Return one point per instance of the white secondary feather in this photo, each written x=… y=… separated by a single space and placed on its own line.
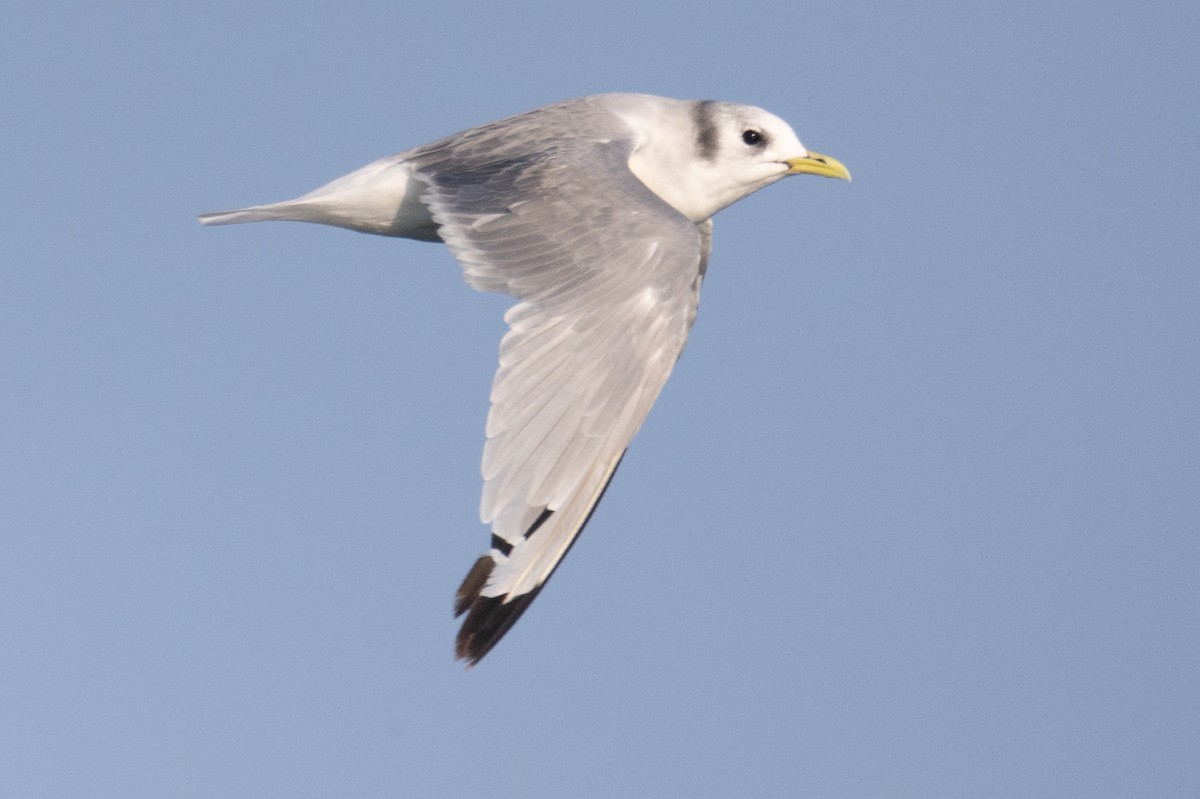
x=594 y=214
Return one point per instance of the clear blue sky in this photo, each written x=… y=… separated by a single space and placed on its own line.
x=916 y=516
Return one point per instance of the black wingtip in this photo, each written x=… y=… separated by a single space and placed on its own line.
x=488 y=619
x=472 y=584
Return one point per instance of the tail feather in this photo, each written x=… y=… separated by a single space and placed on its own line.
x=382 y=198
x=255 y=213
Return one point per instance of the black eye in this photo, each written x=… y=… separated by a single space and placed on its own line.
x=753 y=137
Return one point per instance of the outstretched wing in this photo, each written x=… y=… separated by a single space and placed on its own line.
x=608 y=276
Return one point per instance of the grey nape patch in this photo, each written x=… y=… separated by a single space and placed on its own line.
x=706 y=129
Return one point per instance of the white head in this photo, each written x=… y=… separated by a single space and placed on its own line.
x=701 y=155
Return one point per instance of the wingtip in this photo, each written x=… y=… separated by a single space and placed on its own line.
x=473 y=584
x=488 y=619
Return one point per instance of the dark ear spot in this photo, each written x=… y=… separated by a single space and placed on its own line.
x=706 y=129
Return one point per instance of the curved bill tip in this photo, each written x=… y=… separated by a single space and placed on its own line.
x=816 y=164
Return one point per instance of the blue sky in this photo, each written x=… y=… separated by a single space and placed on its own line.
x=915 y=516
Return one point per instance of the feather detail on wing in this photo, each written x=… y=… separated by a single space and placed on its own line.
x=608 y=277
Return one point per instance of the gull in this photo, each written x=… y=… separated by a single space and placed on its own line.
x=595 y=214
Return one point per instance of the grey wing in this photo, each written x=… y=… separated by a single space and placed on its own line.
x=608 y=276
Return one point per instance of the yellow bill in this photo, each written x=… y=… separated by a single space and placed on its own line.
x=817 y=164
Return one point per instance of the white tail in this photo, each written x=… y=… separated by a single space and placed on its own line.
x=255 y=213
x=380 y=198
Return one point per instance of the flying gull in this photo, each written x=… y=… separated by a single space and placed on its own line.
x=595 y=214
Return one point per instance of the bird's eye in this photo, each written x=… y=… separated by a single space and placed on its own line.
x=753 y=137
